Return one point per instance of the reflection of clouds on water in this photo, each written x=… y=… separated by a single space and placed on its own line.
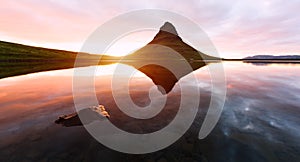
x=2 y=94
x=260 y=120
x=261 y=109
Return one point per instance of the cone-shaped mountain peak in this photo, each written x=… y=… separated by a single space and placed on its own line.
x=168 y=27
x=168 y=37
x=167 y=49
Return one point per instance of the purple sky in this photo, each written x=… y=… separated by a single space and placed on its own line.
x=237 y=28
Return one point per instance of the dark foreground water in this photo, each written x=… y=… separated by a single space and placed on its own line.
x=259 y=122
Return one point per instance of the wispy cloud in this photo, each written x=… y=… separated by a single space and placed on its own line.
x=237 y=28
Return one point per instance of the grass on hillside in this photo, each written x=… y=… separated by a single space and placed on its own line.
x=18 y=59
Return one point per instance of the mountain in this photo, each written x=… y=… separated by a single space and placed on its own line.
x=159 y=48
x=163 y=55
x=167 y=37
x=18 y=59
x=13 y=51
x=271 y=57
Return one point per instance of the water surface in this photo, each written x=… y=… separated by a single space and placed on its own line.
x=259 y=122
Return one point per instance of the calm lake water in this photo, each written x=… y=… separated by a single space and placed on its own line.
x=259 y=122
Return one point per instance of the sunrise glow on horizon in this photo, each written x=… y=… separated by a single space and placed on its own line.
x=236 y=29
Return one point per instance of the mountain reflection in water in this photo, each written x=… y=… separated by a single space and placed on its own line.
x=260 y=120
x=162 y=77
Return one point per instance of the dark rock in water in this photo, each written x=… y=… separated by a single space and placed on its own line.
x=92 y=114
x=69 y=120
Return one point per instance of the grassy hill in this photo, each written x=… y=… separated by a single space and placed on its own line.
x=18 y=59
x=14 y=51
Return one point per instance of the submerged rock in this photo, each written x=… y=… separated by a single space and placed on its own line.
x=92 y=114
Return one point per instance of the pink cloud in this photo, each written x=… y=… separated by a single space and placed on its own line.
x=236 y=28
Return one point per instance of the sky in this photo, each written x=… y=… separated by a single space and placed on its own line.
x=236 y=28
